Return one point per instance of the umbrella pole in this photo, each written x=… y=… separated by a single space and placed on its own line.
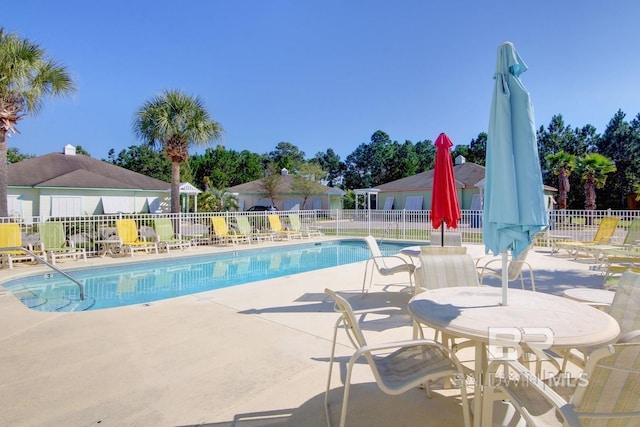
x=505 y=278
x=442 y=234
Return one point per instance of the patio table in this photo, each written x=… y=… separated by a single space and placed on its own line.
x=476 y=313
x=599 y=298
x=109 y=246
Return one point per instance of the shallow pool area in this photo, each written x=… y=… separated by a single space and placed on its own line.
x=151 y=280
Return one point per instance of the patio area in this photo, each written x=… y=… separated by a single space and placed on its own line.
x=250 y=355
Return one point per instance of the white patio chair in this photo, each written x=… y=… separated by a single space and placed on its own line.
x=385 y=265
x=624 y=309
x=607 y=393
x=397 y=366
x=442 y=267
x=514 y=269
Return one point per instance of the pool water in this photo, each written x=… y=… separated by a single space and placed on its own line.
x=147 y=281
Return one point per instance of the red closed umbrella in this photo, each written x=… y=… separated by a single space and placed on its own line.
x=444 y=197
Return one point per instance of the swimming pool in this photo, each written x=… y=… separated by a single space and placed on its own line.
x=146 y=281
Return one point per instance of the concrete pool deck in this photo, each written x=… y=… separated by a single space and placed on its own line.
x=249 y=355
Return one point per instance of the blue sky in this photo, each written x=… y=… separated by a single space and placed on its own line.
x=325 y=74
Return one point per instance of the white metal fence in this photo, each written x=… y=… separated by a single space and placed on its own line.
x=86 y=231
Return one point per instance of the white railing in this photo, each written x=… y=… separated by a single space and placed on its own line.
x=86 y=231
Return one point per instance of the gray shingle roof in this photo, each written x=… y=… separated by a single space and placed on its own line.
x=466 y=174
x=77 y=171
x=284 y=187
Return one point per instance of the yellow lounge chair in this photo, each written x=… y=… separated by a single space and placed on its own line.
x=276 y=227
x=128 y=235
x=10 y=237
x=602 y=237
x=221 y=231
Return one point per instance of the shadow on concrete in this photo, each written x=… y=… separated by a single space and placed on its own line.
x=368 y=407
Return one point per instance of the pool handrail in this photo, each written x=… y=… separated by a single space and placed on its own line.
x=53 y=267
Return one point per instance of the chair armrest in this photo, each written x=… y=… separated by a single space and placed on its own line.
x=537 y=384
x=631 y=336
x=383 y=257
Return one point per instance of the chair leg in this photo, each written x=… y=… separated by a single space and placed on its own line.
x=364 y=279
x=331 y=359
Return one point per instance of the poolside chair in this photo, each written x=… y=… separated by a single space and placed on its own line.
x=245 y=228
x=296 y=225
x=280 y=232
x=443 y=267
x=602 y=237
x=447 y=266
x=514 y=268
x=10 y=237
x=624 y=309
x=606 y=393
x=397 y=367
x=385 y=265
x=614 y=264
x=166 y=237
x=631 y=242
x=222 y=233
x=53 y=241
x=128 y=235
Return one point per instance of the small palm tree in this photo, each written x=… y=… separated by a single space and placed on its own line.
x=222 y=200
x=26 y=77
x=175 y=121
x=593 y=169
x=561 y=164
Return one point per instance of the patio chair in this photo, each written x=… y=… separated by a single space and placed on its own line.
x=606 y=393
x=53 y=241
x=296 y=225
x=385 y=265
x=445 y=266
x=514 y=269
x=128 y=235
x=280 y=232
x=222 y=233
x=397 y=367
x=602 y=237
x=10 y=237
x=245 y=228
x=442 y=267
x=166 y=236
x=624 y=309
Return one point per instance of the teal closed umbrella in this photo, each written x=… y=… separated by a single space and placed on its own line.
x=514 y=209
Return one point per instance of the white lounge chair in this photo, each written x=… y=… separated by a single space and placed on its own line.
x=397 y=366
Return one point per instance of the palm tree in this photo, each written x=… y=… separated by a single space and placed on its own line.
x=593 y=169
x=27 y=76
x=175 y=121
x=218 y=200
x=561 y=164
